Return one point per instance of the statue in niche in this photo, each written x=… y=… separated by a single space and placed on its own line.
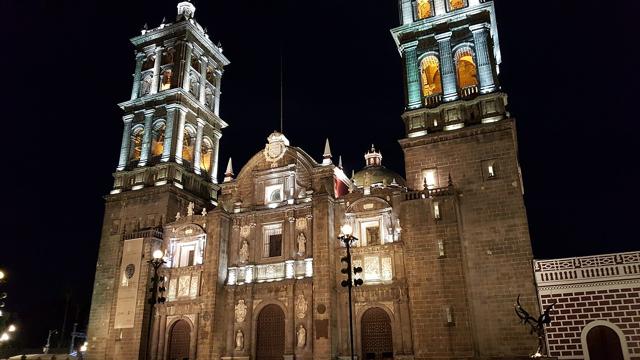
x=241 y=311
x=302 y=243
x=190 y=208
x=244 y=251
x=239 y=340
x=204 y=212
x=301 y=307
x=302 y=336
x=178 y=216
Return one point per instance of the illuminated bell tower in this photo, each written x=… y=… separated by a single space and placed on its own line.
x=168 y=159
x=460 y=136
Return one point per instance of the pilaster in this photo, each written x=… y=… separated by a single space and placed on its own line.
x=182 y=113
x=156 y=71
x=447 y=68
x=412 y=74
x=485 y=67
x=146 y=137
x=203 y=80
x=214 y=155
x=126 y=142
x=135 y=90
x=198 y=147
x=187 y=66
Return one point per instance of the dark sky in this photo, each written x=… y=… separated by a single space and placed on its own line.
x=570 y=67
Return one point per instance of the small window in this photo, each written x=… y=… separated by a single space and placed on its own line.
x=425 y=9
x=430 y=178
x=489 y=169
x=273 y=194
x=272 y=241
x=373 y=235
x=437 y=215
x=457 y=4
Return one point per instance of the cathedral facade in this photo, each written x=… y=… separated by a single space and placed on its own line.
x=252 y=263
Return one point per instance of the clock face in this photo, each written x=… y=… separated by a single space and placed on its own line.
x=130 y=270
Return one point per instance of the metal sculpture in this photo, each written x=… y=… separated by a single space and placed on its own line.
x=537 y=325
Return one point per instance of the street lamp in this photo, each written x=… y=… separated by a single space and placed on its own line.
x=2 y=275
x=156 y=263
x=4 y=337
x=11 y=328
x=348 y=239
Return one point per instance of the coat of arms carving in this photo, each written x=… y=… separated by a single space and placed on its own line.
x=276 y=147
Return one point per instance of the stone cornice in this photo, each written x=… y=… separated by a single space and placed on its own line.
x=466 y=132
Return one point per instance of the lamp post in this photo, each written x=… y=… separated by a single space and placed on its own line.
x=156 y=263
x=45 y=350
x=346 y=236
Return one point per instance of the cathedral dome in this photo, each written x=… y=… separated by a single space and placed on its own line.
x=376 y=175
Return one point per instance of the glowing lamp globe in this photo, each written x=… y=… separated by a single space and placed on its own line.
x=12 y=328
x=347 y=229
x=4 y=337
x=158 y=254
x=2 y=275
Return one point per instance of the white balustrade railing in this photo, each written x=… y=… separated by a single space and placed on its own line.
x=291 y=269
x=587 y=268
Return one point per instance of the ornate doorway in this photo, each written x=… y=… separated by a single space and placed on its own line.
x=270 y=334
x=179 y=341
x=377 y=337
x=604 y=344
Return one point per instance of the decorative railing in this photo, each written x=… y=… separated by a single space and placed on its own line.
x=291 y=269
x=156 y=233
x=433 y=100
x=469 y=91
x=587 y=269
x=429 y=193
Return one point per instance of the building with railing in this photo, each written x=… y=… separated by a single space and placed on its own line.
x=597 y=309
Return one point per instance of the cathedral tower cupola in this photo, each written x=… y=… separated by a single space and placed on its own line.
x=373 y=157
x=172 y=123
x=451 y=54
x=374 y=174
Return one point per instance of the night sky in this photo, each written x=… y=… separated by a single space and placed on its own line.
x=570 y=68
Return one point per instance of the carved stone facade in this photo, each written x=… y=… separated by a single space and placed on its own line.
x=253 y=268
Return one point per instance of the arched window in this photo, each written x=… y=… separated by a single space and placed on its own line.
x=188 y=144
x=157 y=139
x=205 y=156
x=466 y=69
x=167 y=56
x=167 y=75
x=430 y=73
x=457 y=4
x=149 y=63
x=195 y=63
x=425 y=9
x=136 y=144
x=603 y=340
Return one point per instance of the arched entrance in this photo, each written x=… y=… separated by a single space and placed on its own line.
x=377 y=337
x=603 y=343
x=270 y=334
x=179 y=341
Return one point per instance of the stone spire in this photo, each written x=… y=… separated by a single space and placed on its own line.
x=228 y=174
x=327 y=154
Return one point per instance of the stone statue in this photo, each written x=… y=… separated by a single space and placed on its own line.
x=239 y=340
x=301 y=307
x=537 y=325
x=302 y=336
x=241 y=311
x=244 y=251
x=190 y=208
x=178 y=216
x=204 y=212
x=302 y=243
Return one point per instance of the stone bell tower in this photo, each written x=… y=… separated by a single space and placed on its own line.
x=168 y=158
x=458 y=132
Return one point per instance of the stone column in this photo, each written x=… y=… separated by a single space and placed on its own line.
x=485 y=68
x=216 y=106
x=407 y=12
x=156 y=71
x=198 y=149
x=414 y=99
x=203 y=79
x=135 y=90
x=146 y=137
x=447 y=68
x=180 y=135
x=126 y=142
x=214 y=155
x=187 y=67
x=168 y=146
